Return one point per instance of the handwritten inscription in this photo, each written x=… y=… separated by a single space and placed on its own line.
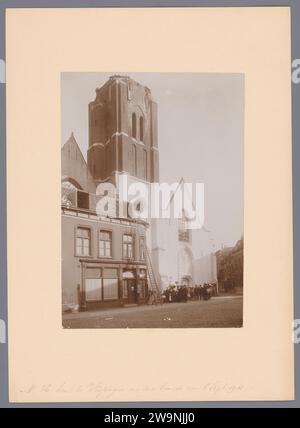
x=99 y=390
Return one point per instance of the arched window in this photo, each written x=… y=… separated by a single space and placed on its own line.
x=141 y=128
x=183 y=230
x=134 y=161
x=133 y=125
x=144 y=164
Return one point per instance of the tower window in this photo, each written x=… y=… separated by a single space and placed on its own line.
x=183 y=231
x=141 y=128
x=133 y=125
x=134 y=160
x=145 y=164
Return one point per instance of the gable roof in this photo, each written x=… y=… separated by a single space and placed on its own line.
x=74 y=166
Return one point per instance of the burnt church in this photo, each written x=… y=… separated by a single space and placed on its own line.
x=109 y=261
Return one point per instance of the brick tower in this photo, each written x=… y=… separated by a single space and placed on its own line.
x=123 y=132
x=123 y=140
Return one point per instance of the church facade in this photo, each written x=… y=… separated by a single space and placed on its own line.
x=106 y=260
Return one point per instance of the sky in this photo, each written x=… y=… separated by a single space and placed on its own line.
x=200 y=137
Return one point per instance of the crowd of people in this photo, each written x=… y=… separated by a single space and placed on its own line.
x=183 y=293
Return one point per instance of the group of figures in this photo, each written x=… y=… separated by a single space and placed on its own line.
x=183 y=293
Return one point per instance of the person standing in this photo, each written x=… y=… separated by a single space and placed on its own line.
x=151 y=297
x=201 y=292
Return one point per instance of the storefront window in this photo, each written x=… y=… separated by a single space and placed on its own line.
x=110 y=288
x=93 y=289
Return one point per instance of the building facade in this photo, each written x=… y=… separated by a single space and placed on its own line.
x=230 y=268
x=175 y=247
x=108 y=261
x=205 y=270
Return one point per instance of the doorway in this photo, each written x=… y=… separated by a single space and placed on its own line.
x=130 y=290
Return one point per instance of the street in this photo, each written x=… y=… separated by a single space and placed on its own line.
x=225 y=311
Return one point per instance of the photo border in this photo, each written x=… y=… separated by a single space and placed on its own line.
x=295 y=14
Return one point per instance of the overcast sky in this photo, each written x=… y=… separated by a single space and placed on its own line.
x=200 y=136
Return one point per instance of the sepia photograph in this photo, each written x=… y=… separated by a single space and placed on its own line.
x=152 y=200
x=140 y=160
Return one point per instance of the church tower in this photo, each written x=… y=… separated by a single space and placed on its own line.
x=123 y=132
x=123 y=140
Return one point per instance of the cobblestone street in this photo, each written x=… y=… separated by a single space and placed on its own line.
x=217 y=312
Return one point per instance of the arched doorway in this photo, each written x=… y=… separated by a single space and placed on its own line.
x=185 y=264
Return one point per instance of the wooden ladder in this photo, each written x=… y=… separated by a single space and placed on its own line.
x=154 y=285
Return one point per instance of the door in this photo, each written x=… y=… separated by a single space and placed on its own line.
x=131 y=290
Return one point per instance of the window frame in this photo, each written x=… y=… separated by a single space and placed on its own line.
x=104 y=298
x=88 y=199
x=134 y=125
x=126 y=257
x=142 y=248
x=111 y=243
x=134 y=160
x=79 y=237
x=141 y=128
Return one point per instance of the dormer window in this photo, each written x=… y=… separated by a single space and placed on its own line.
x=83 y=200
